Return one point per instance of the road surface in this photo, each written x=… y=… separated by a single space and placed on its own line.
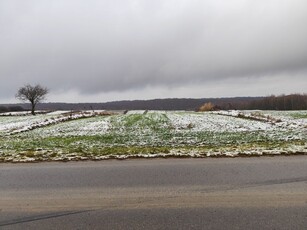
x=220 y=193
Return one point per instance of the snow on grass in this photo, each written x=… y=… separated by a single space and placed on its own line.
x=87 y=135
x=75 y=127
x=22 y=113
x=135 y=112
x=213 y=123
x=10 y=123
x=13 y=125
x=59 y=112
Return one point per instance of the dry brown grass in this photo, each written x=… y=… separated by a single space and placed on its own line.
x=206 y=107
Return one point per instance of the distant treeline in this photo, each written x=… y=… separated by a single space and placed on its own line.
x=283 y=102
x=189 y=104
x=12 y=108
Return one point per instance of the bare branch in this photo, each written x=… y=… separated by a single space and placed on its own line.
x=34 y=94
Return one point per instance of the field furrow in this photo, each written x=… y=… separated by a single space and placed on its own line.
x=93 y=136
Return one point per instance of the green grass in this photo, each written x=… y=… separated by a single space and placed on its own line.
x=299 y=115
x=136 y=134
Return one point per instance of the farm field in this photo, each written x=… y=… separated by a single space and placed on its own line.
x=89 y=135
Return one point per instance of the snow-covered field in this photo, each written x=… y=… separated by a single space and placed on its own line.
x=98 y=135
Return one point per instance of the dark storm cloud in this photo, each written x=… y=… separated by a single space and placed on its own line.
x=113 y=45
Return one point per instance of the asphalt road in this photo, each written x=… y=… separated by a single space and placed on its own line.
x=224 y=193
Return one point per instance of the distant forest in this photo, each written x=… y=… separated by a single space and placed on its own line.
x=283 y=102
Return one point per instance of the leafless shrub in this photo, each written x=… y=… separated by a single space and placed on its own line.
x=206 y=107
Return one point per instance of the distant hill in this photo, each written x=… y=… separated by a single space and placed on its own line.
x=282 y=102
x=155 y=104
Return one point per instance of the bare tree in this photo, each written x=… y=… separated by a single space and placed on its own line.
x=34 y=94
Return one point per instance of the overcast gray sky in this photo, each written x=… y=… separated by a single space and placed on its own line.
x=105 y=50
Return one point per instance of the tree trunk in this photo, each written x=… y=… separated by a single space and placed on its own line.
x=32 y=108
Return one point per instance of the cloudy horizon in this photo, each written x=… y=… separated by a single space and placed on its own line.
x=108 y=50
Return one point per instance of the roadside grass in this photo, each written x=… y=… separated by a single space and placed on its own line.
x=149 y=135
